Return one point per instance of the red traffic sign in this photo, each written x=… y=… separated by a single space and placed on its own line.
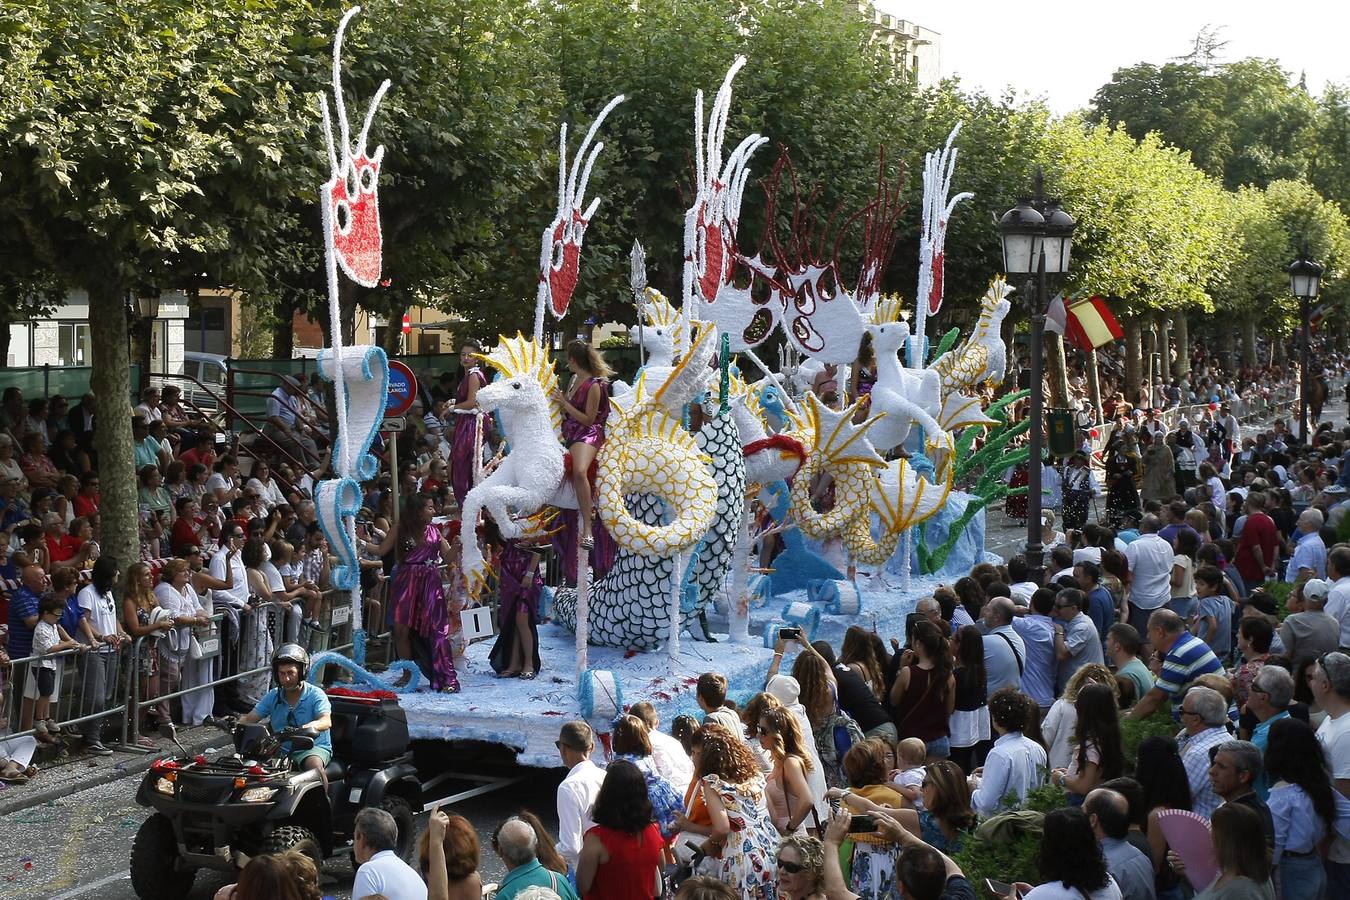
x=407 y=323
x=402 y=389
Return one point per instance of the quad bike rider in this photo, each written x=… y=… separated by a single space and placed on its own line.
x=296 y=785
x=295 y=704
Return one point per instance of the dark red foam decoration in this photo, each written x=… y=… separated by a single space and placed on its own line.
x=562 y=279
x=935 y=292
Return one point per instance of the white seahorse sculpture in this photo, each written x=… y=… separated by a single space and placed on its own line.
x=981 y=359
x=528 y=477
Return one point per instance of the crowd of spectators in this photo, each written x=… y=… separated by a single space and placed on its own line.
x=1216 y=593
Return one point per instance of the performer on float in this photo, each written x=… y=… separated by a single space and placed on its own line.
x=585 y=409
x=516 y=652
x=425 y=617
x=463 y=446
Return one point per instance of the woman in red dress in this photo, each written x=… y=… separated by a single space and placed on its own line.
x=621 y=854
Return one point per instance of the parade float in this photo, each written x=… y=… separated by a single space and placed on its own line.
x=685 y=590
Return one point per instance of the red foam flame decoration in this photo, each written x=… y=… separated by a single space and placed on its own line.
x=356 y=221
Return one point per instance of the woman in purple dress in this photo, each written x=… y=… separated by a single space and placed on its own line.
x=466 y=398
x=585 y=409
x=421 y=609
x=516 y=652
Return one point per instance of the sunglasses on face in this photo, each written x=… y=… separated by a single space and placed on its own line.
x=762 y=731
x=790 y=867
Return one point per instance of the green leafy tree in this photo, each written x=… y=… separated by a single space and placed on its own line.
x=1244 y=122
x=1329 y=164
x=116 y=126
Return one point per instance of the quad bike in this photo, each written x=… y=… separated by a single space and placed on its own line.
x=218 y=814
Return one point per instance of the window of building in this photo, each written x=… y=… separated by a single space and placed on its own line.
x=72 y=345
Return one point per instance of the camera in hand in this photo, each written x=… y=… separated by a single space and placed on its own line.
x=789 y=634
x=861 y=824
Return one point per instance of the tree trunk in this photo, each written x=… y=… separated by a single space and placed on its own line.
x=1055 y=370
x=1249 y=360
x=393 y=332
x=1132 y=358
x=283 y=338
x=1164 y=373
x=1277 y=351
x=1150 y=358
x=111 y=383
x=1183 y=339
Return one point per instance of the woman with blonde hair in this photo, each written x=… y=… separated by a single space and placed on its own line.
x=585 y=410
x=1057 y=729
x=789 y=793
x=801 y=868
x=138 y=605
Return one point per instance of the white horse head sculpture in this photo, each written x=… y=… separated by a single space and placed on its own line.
x=530 y=474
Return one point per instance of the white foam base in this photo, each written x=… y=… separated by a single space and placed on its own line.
x=526 y=715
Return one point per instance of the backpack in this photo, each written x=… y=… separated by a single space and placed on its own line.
x=833 y=739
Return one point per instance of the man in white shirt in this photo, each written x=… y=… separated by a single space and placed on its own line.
x=1150 y=561
x=1020 y=584
x=284 y=424
x=1329 y=679
x=577 y=793
x=375 y=846
x=1338 y=598
x=227 y=566
x=668 y=755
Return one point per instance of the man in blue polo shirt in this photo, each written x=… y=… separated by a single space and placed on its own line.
x=1184 y=658
x=295 y=703
x=1309 y=559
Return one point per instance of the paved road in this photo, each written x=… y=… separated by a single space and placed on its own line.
x=78 y=846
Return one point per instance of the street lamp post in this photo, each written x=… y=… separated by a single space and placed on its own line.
x=1037 y=237
x=1305 y=278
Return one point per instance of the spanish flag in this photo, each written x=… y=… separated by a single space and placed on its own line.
x=1091 y=324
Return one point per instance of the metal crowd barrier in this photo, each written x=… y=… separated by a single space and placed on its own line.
x=71 y=703
x=220 y=643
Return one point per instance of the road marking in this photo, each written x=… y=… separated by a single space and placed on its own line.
x=92 y=886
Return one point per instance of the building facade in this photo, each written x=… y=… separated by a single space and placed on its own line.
x=914 y=49
x=62 y=339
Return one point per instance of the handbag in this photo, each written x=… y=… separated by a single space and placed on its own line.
x=194 y=646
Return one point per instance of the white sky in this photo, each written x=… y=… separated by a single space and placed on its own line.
x=1063 y=51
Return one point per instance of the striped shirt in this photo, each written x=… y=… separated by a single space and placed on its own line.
x=1188 y=659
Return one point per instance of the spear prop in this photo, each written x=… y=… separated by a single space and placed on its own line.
x=637 y=279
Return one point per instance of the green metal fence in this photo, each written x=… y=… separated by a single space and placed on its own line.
x=71 y=382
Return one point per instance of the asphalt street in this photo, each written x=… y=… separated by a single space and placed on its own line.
x=78 y=846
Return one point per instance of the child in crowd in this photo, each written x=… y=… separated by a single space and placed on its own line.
x=48 y=637
x=908 y=778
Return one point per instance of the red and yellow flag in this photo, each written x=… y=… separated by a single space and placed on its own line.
x=1091 y=324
